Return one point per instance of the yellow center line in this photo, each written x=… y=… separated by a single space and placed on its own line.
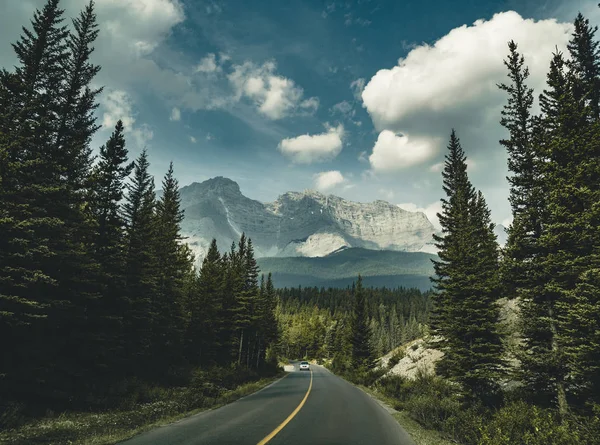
x=290 y=417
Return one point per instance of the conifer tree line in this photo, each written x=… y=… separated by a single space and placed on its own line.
x=551 y=262
x=96 y=283
x=331 y=324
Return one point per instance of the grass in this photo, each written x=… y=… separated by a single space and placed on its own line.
x=110 y=427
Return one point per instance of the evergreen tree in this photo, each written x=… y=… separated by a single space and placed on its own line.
x=26 y=231
x=140 y=268
x=45 y=170
x=204 y=331
x=268 y=319
x=585 y=64
x=467 y=282
x=570 y=243
x=362 y=355
x=525 y=193
x=108 y=180
x=173 y=265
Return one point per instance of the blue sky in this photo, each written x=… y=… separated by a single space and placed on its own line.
x=290 y=95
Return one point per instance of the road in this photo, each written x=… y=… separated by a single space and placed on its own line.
x=305 y=408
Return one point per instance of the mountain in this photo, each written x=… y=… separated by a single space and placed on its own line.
x=500 y=232
x=378 y=268
x=307 y=224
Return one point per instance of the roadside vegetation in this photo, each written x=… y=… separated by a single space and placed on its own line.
x=144 y=408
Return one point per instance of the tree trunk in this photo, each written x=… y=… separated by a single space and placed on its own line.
x=240 y=350
x=258 y=355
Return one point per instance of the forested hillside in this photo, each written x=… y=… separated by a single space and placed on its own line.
x=98 y=294
x=316 y=323
x=379 y=268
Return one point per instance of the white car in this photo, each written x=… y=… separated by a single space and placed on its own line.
x=304 y=366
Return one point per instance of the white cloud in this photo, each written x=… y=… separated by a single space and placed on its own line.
x=430 y=211
x=117 y=104
x=362 y=157
x=142 y=135
x=137 y=25
x=327 y=180
x=394 y=152
x=437 y=168
x=193 y=140
x=306 y=149
x=175 y=114
x=461 y=70
x=208 y=64
x=311 y=104
x=357 y=86
x=344 y=108
x=274 y=95
x=506 y=222
x=209 y=137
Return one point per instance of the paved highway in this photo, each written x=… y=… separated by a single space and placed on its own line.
x=305 y=408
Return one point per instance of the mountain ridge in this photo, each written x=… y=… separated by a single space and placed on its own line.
x=308 y=223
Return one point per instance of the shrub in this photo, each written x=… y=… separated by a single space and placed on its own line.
x=396 y=357
x=522 y=423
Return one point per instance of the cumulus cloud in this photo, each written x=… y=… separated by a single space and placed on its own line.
x=208 y=64
x=306 y=149
x=175 y=114
x=394 y=152
x=275 y=96
x=460 y=71
x=139 y=26
x=325 y=181
x=118 y=105
x=193 y=140
x=430 y=211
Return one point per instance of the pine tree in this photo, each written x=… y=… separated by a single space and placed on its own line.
x=141 y=264
x=204 y=334
x=251 y=300
x=466 y=282
x=172 y=269
x=585 y=64
x=525 y=188
x=562 y=247
x=45 y=175
x=362 y=354
x=570 y=243
x=108 y=179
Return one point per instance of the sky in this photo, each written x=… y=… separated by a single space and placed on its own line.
x=355 y=98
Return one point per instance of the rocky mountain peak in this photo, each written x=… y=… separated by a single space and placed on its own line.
x=306 y=223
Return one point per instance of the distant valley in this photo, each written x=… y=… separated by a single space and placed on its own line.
x=379 y=268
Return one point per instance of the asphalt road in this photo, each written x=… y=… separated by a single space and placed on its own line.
x=286 y=412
